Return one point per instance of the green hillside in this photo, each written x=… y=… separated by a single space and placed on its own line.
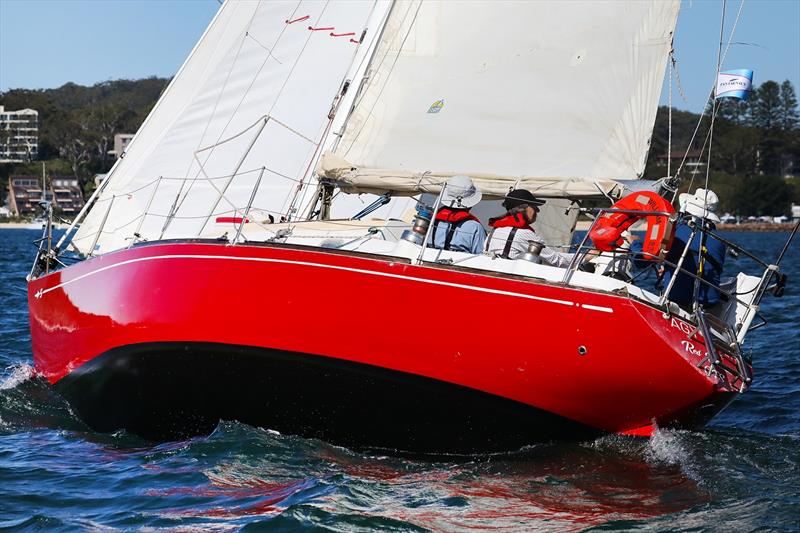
x=755 y=161
x=77 y=124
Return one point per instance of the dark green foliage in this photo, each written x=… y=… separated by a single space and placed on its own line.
x=77 y=124
x=756 y=145
x=762 y=195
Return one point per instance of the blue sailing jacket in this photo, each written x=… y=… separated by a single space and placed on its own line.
x=714 y=256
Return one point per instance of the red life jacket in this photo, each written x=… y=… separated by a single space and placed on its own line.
x=515 y=222
x=510 y=221
x=455 y=217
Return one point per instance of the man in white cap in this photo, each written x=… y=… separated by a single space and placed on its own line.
x=454 y=227
x=708 y=264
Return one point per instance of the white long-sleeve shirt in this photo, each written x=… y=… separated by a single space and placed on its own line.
x=519 y=245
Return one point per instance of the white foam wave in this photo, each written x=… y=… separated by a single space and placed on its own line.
x=670 y=447
x=18 y=374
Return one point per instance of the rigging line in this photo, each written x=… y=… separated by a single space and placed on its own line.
x=713 y=88
x=248 y=34
x=104 y=231
x=368 y=60
x=249 y=87
x=221 y=193
x=669 y=121
x=210 y=178
x=314 y=156
x=177 y=202
x=146 y=185
x=388 y=75
x=296 y=61
x=233 y=211
x=310 y=140
x=699 y=157
x=678 y=82
x=280 y=93
x=715 y=107
x=380 y=66
x=258 y=121
x=285 y=81
x=85 y=211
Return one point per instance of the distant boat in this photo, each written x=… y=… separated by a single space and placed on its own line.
x=228 y=274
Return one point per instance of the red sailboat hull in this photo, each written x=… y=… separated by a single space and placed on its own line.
x=165 y=339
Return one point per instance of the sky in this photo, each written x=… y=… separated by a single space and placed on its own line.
x=46 y=43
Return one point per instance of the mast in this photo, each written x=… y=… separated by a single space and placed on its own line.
x=352 y=93
x=365 y=77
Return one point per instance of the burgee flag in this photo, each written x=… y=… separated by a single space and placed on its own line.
x=735 y=84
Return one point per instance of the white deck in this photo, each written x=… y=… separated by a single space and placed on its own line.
x=383 y=237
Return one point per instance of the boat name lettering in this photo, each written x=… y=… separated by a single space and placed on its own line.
x=683 y=326
x=689 y=347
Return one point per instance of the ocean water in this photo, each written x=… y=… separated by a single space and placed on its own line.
x=739 y=474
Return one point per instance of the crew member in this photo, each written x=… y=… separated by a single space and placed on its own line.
x=454 y=227
x=512 y=232
x=707 y=262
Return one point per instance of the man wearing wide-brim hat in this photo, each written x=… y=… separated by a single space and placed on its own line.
x=454 y=227
x=699 y=208
x=512 y=233
x=702 y=204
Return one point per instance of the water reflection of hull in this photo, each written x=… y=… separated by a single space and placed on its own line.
x=549 y=487
x=168 y=338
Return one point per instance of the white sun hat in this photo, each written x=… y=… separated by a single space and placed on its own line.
x=703 y=203
x=461 y=193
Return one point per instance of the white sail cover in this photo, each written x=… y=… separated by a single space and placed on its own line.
x=538 y=89
x=254 y=94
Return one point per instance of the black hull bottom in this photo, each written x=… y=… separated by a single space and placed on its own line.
x=168 y=391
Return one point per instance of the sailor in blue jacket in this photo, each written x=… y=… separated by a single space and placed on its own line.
x=454 y=227
x=701 y=205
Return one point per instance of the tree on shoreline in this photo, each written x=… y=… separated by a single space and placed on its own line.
x=759 y=137
x=756 y=146
x=77 y=124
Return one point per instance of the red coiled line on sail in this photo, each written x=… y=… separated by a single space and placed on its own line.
x=298 y=20
x=327 y=28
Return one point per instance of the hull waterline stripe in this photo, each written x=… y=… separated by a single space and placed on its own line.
x=42 y=292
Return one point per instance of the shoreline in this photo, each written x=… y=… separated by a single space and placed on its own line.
x=29 y=225
x=19 y=225
x=756 y=226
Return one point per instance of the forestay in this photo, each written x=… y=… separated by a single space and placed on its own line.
x=545 y=89
x=254 y=94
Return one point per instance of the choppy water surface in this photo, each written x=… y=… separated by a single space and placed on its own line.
x=740 y=474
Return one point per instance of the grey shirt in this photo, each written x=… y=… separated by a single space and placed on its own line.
x=519 y=245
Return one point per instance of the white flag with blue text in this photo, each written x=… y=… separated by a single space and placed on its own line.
x=734 y=84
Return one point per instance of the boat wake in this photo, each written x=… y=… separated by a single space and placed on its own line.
x=16 y=374
x=669 y=447
x=27 y=401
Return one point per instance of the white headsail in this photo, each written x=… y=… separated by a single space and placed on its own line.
x=540 y=90
x=254 y=94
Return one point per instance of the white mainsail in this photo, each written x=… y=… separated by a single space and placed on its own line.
x=254 y=95
x=543 y=89
x=559 y=97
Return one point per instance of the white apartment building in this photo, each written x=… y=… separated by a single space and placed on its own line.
x=121 y=141
x=19 y=135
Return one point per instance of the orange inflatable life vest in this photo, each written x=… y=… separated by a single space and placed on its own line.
x=607 y=231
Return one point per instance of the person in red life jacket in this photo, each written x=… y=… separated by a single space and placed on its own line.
x=512 y=232
x=454 y=227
